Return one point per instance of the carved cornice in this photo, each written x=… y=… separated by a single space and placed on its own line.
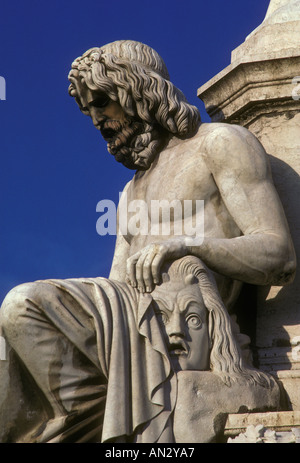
x=245 y=90
x=262 y=69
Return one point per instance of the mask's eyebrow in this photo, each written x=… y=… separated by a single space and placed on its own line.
x=185 y=301
x=160 y=303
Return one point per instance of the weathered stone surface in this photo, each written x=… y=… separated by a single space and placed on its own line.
x=204 y=402
x=261 y=435
x=246 y=89
x=277 y=421
x=290 y=379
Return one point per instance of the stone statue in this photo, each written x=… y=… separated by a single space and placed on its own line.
x=82 y=344
x=149 y=126
x=97 y=359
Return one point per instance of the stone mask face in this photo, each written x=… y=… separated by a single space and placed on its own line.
x=184 y=321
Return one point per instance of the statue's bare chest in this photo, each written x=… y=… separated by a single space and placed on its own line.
x=178 y=176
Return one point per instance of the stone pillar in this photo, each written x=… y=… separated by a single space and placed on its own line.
x=260 y=90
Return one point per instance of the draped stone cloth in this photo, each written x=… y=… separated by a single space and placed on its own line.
x=92 y=362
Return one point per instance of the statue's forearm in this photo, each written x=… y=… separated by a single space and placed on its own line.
x=260 y=259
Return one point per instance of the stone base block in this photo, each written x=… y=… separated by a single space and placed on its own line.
x=290 y=381
x=276 y=421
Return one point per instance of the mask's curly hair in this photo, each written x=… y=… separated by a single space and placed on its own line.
x=226 y=359
x=135 y=76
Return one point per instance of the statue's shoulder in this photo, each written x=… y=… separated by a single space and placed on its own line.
x=218 y=132
x=232 y=146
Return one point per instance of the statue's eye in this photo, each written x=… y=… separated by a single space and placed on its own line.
x=162 y=317
x=100 y=102
x=193 y=321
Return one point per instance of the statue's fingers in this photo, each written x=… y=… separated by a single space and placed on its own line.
x=130 y=269
x=139 y=270
x=147 y=270
x=156 y=265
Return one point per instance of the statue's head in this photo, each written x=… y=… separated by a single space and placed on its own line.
x=197 y=327
x=124 y=86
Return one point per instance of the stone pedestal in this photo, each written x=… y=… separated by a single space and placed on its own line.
x=260 y=90
x=285 y=426
x=204 y=404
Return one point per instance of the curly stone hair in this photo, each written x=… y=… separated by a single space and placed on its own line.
x=134 y=75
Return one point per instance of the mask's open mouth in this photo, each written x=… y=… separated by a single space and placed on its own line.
x=177 y=348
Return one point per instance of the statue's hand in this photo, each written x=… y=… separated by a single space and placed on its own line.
x=143 y=269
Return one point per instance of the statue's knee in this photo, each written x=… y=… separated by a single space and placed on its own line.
x=15 y=304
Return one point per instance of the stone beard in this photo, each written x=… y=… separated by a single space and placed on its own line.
x=133 y=143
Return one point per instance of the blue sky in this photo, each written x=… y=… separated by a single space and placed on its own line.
x=54 y=164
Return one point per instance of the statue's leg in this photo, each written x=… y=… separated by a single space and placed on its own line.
x=72 y=386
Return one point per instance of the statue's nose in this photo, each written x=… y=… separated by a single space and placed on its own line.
x=175 y=326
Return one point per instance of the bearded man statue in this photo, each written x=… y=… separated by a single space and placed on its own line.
x=99 y=353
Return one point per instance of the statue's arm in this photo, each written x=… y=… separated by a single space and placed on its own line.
x=265 y=253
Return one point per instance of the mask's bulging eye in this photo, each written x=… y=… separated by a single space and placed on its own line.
x=162 y=317
x=193 y=321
